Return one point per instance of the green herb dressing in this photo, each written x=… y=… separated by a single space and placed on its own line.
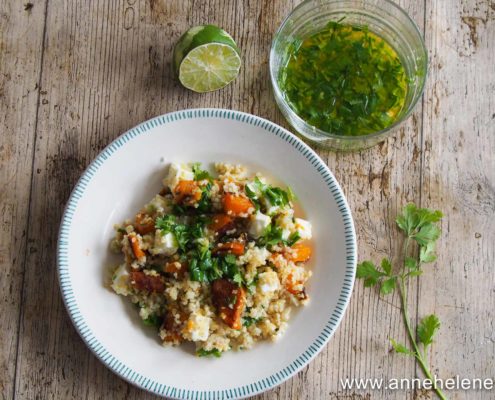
x=344 y=80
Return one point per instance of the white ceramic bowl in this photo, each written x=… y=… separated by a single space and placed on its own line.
x=126 y=175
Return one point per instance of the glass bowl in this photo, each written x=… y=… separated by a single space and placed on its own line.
x=382 y=17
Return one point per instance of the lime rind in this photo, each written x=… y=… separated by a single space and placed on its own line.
x=183 y=45
x=198 y=36
x=209 y=67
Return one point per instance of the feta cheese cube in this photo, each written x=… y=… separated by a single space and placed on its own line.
x=199 y=327
x=259 y=222
x=120 y=280
x=176 y=173
x=165 y=244
x=304 y=228
x=159 y=205
x=268 y=282
x=285 y=234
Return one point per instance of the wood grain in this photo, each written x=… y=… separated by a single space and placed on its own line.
x=21 y=33
x=459 y=178
x=104 y=66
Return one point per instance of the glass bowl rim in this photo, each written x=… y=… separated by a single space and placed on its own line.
x=327 y=135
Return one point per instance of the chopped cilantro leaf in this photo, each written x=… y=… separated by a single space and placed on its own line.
x=248 y=321
x=237 y=278
x=200 y=174
x=205 y=353
x=177 y=209
x=165 y=223
x=274 y=195
x=153 y=320
x=272 y=236
x=293 y=238
x=205 y=201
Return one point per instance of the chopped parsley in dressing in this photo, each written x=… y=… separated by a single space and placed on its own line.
x=344 y=80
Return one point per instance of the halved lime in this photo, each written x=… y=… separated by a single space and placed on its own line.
x=206 y=58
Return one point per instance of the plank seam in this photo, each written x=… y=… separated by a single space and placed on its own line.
x=28 y=220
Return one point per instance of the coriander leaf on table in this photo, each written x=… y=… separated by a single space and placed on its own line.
x=400 y=348
x=426 y=234
x=427 y=253
x=407 y=220
x=386 y=266
x=388 y=285
x=411 y=263
x=414 y=219
x=426 y=215
x=418 y=225
x=367 y=271
x=427 y=328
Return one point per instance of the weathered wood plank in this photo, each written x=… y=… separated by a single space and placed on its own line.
x=459 y=178
x=106 y=68
x=377 y=182
x=21 y=35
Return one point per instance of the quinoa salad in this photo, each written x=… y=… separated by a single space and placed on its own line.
x=215 y=259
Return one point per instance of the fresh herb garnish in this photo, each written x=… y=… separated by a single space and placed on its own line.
x=165 y=223
x=290 y=193
x=203 y=267
x=153 y=320
x=418 y=225
x=169 y=224
x=293 y=238
x=177 y=209
x=274 y=195
x=186 y=235
x=272 y=236
x=205 y=201
x=230 y=269
x=206 y=353
x=251 y=194
x=200 y=174
x=248 y=321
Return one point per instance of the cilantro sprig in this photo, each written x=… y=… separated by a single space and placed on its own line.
x=257 y=190
x=419 y=225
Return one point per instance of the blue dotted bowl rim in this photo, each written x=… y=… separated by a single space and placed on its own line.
x=251 y=389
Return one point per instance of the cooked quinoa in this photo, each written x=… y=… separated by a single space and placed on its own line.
x=218 y=261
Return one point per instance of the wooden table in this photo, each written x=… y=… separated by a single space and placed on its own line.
x=76 y=74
